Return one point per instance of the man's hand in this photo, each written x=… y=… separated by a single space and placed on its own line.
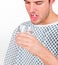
x=30 y=43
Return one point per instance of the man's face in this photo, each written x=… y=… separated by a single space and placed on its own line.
x=38 y=10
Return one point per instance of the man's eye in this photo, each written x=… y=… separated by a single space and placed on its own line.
x=39 y=3
x=26 y=2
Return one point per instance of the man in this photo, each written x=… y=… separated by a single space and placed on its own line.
x=41 y=46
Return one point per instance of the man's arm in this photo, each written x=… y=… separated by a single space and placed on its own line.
x=47 y=57
x=30 y=43
x=11 y=54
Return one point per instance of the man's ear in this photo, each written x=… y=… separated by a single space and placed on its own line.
x=52 y=1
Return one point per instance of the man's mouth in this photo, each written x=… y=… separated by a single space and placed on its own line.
x=34 y=17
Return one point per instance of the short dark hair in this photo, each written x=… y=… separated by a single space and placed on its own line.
x=49 y=0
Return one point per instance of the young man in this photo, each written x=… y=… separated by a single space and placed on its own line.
x=41 y=46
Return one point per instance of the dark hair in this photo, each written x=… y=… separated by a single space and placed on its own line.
x=49 y=0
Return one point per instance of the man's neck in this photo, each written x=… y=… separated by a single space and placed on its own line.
x=52 y=18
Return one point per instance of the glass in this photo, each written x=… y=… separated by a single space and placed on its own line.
x=24 y=28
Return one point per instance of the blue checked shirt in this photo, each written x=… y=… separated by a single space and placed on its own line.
x=46 y=34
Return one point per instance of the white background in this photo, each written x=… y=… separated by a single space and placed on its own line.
x=12 y=13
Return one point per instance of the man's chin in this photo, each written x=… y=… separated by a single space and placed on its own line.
x=35 y=22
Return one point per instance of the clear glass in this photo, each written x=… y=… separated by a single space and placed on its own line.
x=24 y=28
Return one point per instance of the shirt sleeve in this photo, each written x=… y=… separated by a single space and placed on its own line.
x=10 y=57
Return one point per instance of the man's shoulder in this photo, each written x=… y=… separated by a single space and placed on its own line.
x=25 y=23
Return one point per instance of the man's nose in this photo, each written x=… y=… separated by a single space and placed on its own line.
x=32 y=8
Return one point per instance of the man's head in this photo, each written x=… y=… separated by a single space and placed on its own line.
x=38 y=10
